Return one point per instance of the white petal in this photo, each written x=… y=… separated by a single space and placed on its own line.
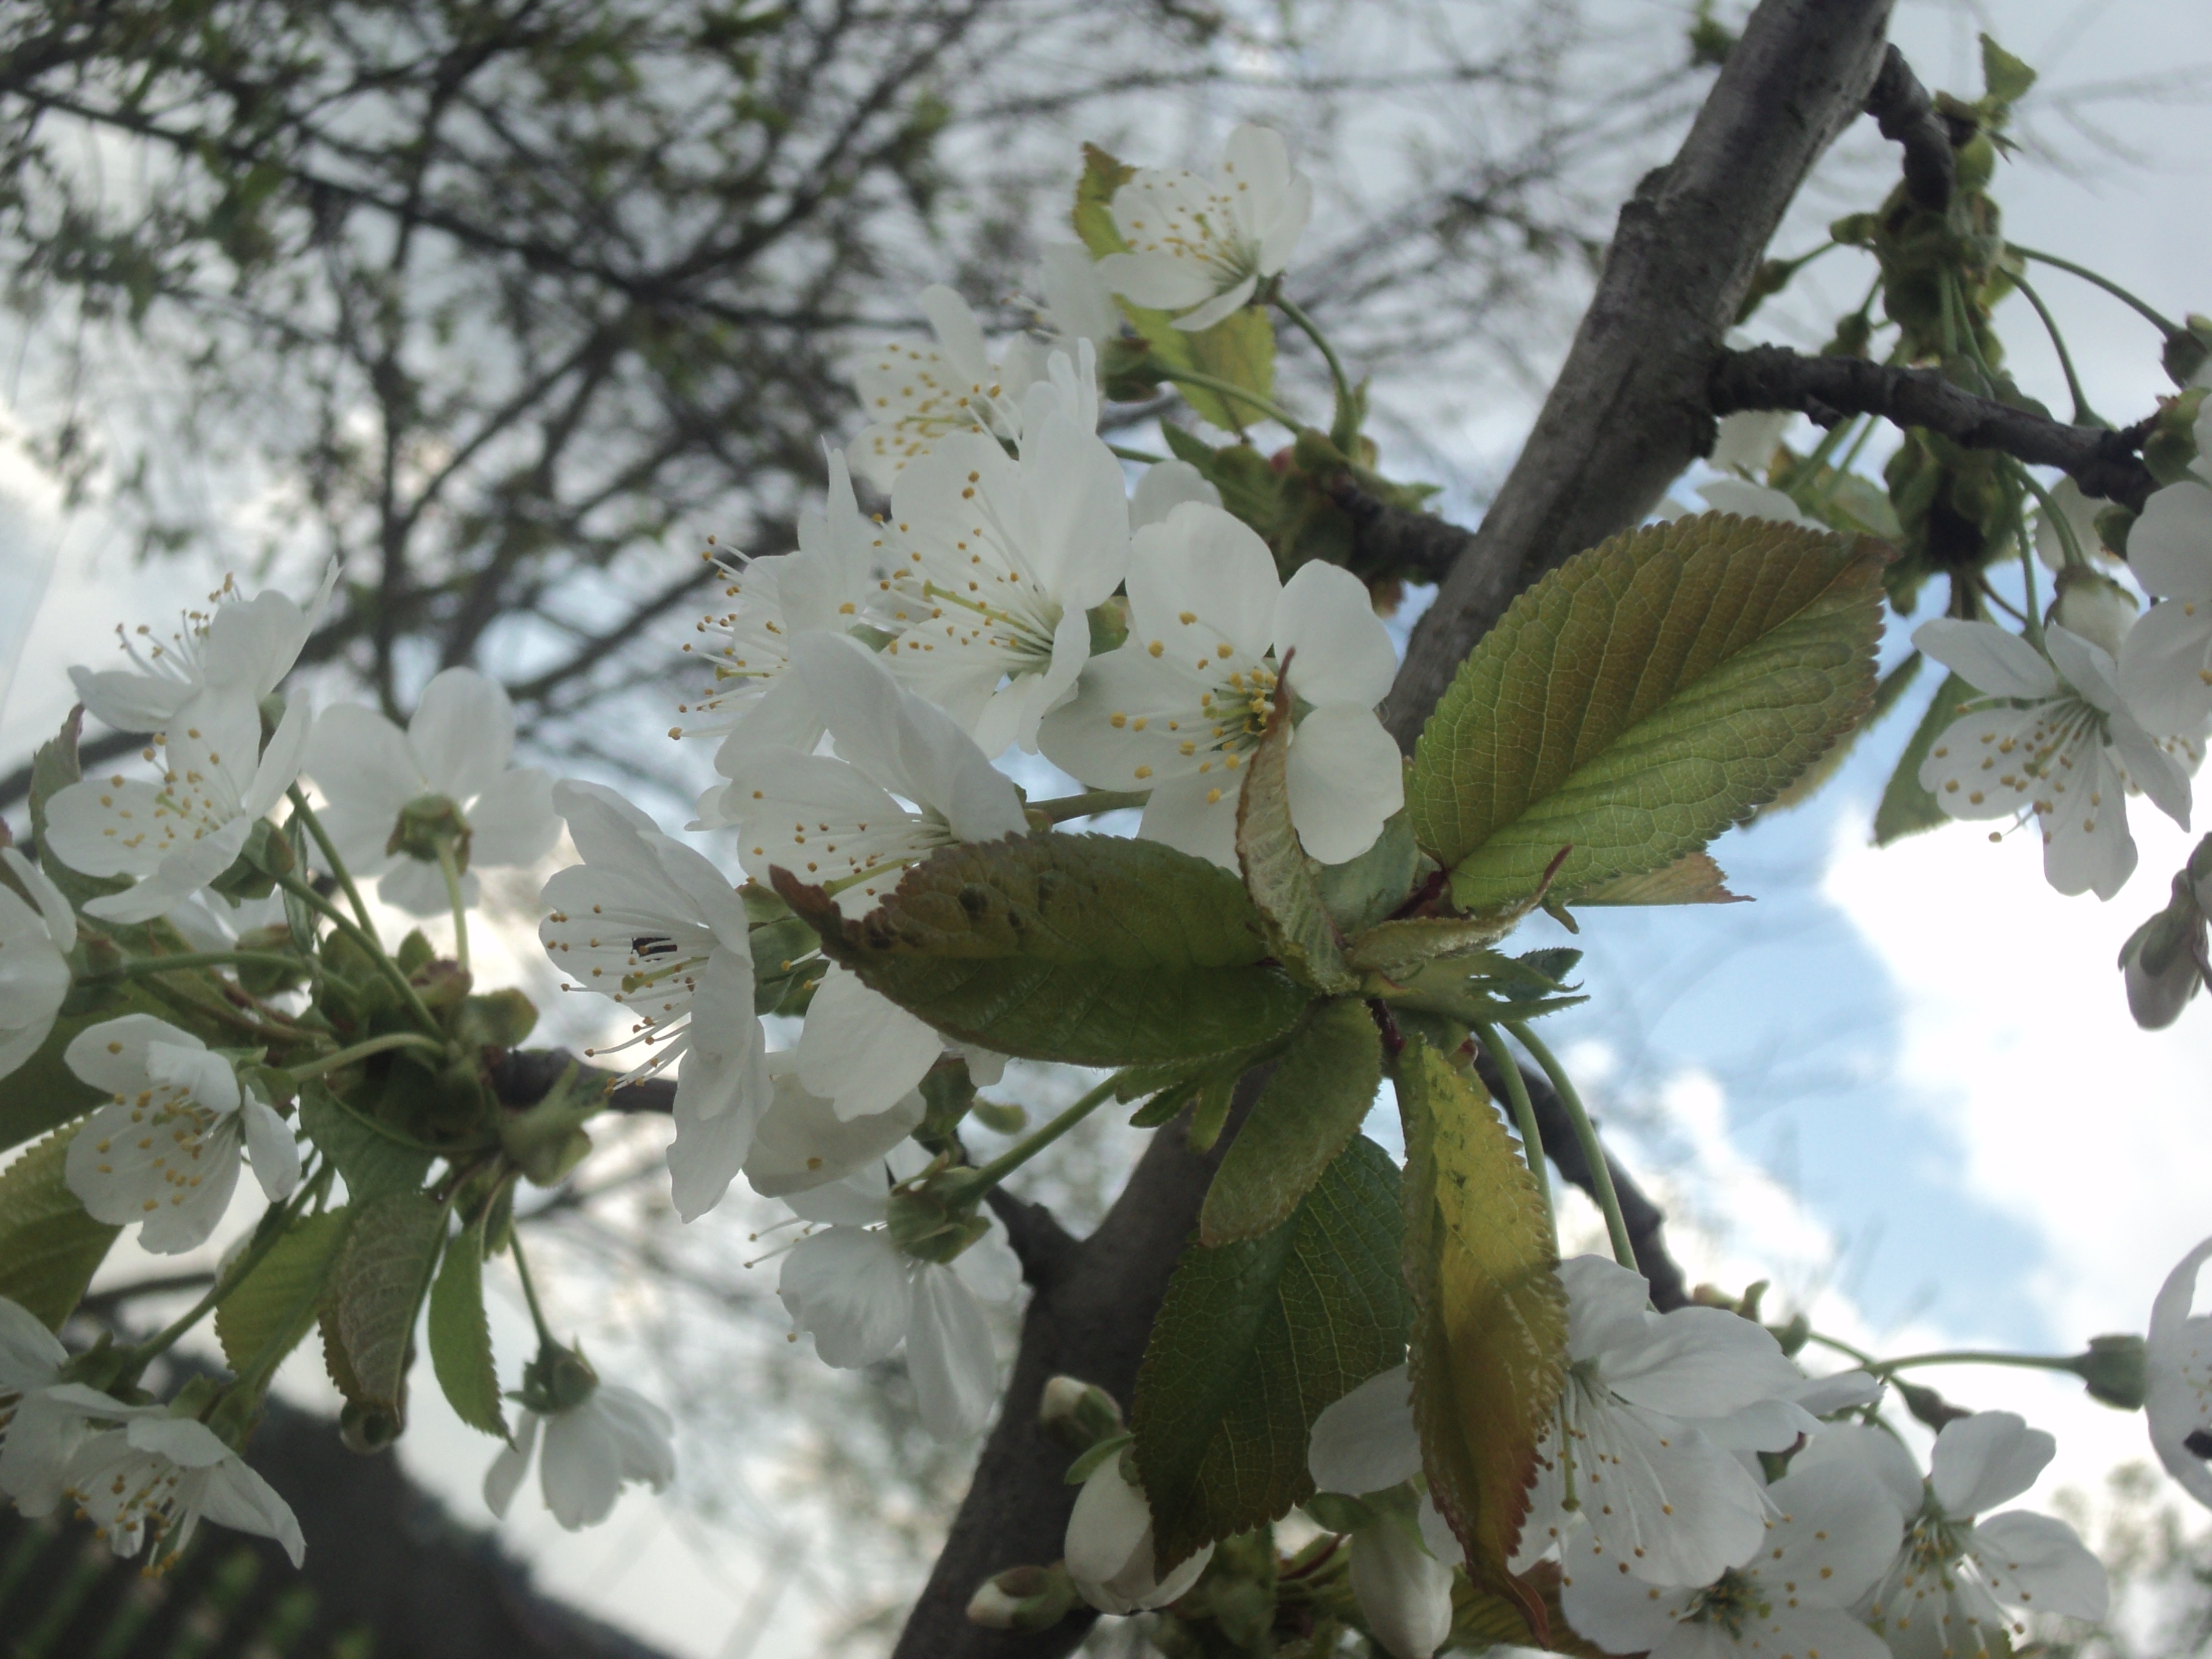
x=860 y=1050
x=60 y=919
x=1752 y=500
x=1344 y=653
x=1748 y=439
x=949 y=1355
x=989 y=1268
x=1698 y=1362
x=2150 y=768
x=802 y=1143
x=280 y=763
x=1159 y=281
x=1201 y=561
x=1345 y=777
x=2170 y=544
x=1165 y=486
x=643 y=1434
x=1365 y=1441
x=504 y=1478
x=1991 y=659
x=2177 y=1366
x=2088 y=667
x=1658 y=1496
x=1618 y=1612
x=1976 y=768
x=2086 y=844
x=2166 y=668
x=1985 y=1460
x=1404 y=1591
x=603 y=825
x=1195 y=815
x=270 y=1145
x=112 y=1055
x=232 y=1494
x=129 y=701
x=1836 y=1531
x=579 y=1470
x=462 y=733
x=958 y=334
x=1076 y=301
x=2034 y=1561
x=849 y=1288
x=512 y=821
x=1222 y=306
x=1875 y=1451
x=1277 y=240
x=360 y=760
x=418 y=887
x=30 y=1354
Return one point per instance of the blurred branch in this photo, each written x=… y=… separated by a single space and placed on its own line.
x=1906 y=115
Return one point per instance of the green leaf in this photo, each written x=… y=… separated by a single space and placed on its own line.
x=1393 y=948
x=1892 y=687
x=1641 y=698
x=275 y=1305
x=460 y=1336
x=1283 y=879
x=1313 y=1104
x=1253 y=1342
x=372 y=1162
x=1489 y=1332
x=2005 y=79
x=382 y=1276
x=1695 y=879
x=49 y=1247
x=53 y=768
x=1240 y=349
x=1088 y=949
x=1362 y=891
x=43 y=1092
x=1906 y=808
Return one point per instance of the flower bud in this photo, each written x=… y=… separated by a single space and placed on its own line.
x=426 y=823
x=2170 y=448
x=2093 y=606
x=1404 y=1591
x=2189 y=351
x=1109 y=1547
x=2114 y=1370
x=1022 y=1598
x=2158 y=962
x=1077 y=1414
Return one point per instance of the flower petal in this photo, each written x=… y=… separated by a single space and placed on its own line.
x=1165 y=486
x=2036 y=1562
x=1221 y=306
x=802 y=1143
x=1991 y=659
x=860 y=1050
x=269 y=1143
x=2170 y=544
x=1985 y=1460
x=1158 y=279
x=513 y=821
x=462 y=733
x=362 y=762
x=1345 y=777
x=849 y=1287
x=504 y=1478
x=2166 y=668
x=1194 y=814
x=1344 y=653
x=1366 y=1440
x=1404 y=1592
x=1202 y=562
x=949 y=1355
x=30 y=1354
x=579 y=1470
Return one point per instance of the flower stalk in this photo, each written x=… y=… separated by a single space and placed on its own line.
x=1616 y=1225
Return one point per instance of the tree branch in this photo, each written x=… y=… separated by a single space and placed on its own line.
x=1902 y=108
x=1629 y=411
x=2104 y=463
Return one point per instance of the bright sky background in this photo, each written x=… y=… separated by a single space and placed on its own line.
x=1902 y=1083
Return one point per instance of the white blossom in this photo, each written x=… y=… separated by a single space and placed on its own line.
x=1001 y=561
x=802 y=1143
x=1201 y=245
x=2079 y=513
x=455 y=750
x=1831 y=1533
x=241 y=646
x=1108 y=1546
x=1401 y=1574
x=1177 y=708
x=1366 y=1442
x=1944 y=1589
x=860 y=1296
x=653 y=925
x=2177 y=1378
x=592 y=1449
x=34 y=970
x=2165 y=666
x=31 y=1361
x=1622 y=1469
x=2063 y=751
x=918 y=392
x=164 y=1150
x=1746 y=440
x=180 y=833
x=1756 y=500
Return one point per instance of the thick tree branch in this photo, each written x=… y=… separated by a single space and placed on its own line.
x=1628 y=411
x=1902 y=108
x=2104 y=463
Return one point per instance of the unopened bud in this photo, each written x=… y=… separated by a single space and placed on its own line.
x=1929 y=1406
x=2170 y=447
x=1077 y=1414
x=2189 y=351
x=2093 y=606
x=2113 y=1371
x=2158 y=962
x=426 y=823
x=1022 y=1598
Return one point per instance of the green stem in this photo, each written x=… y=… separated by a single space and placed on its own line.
x=1975 y=1356
x=2161 y=323
x=2030 y=604
x=368 y=941
x=1273 y=411
x=329 y=848
x=184 y=959
x=1145 y=456
x=1841 y=1347
x=2067 y=538
x=530 y=1294
x=1609 y=1201
x=1346 y=427
x=982 y=1181
x=1090 y=804
x=2083 y=414
x=1524 y=1116
x=362 y=1051
x=266 y=1236
x=450 y=868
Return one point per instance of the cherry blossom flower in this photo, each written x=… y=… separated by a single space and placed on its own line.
x=1165 y=486
x=1201 y=245
x=1366 y=1442
x=1944 y=1591
x=1002 y=561
x=1755 y=500
x=860 y=1296
x=34 y=970
x=654 y=926
x=179 y=834
x=918 y=392
x=802 y=1143
x=1831 y=1534
x=391 y=794
x=2063 y=751
x=2165 y=666
x=1622 y=1468
x=1108 y=1546
x=612 y=1436
x=242 y=645
x=164 y=1150
x=1177 y=708
x=1401 y=1574
x=2177 y=1379
x=1746 y=440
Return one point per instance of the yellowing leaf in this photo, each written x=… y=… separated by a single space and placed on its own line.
x=1693 y=880
x=1283 y=879
x=1643 y=697
x=1490 y=1328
